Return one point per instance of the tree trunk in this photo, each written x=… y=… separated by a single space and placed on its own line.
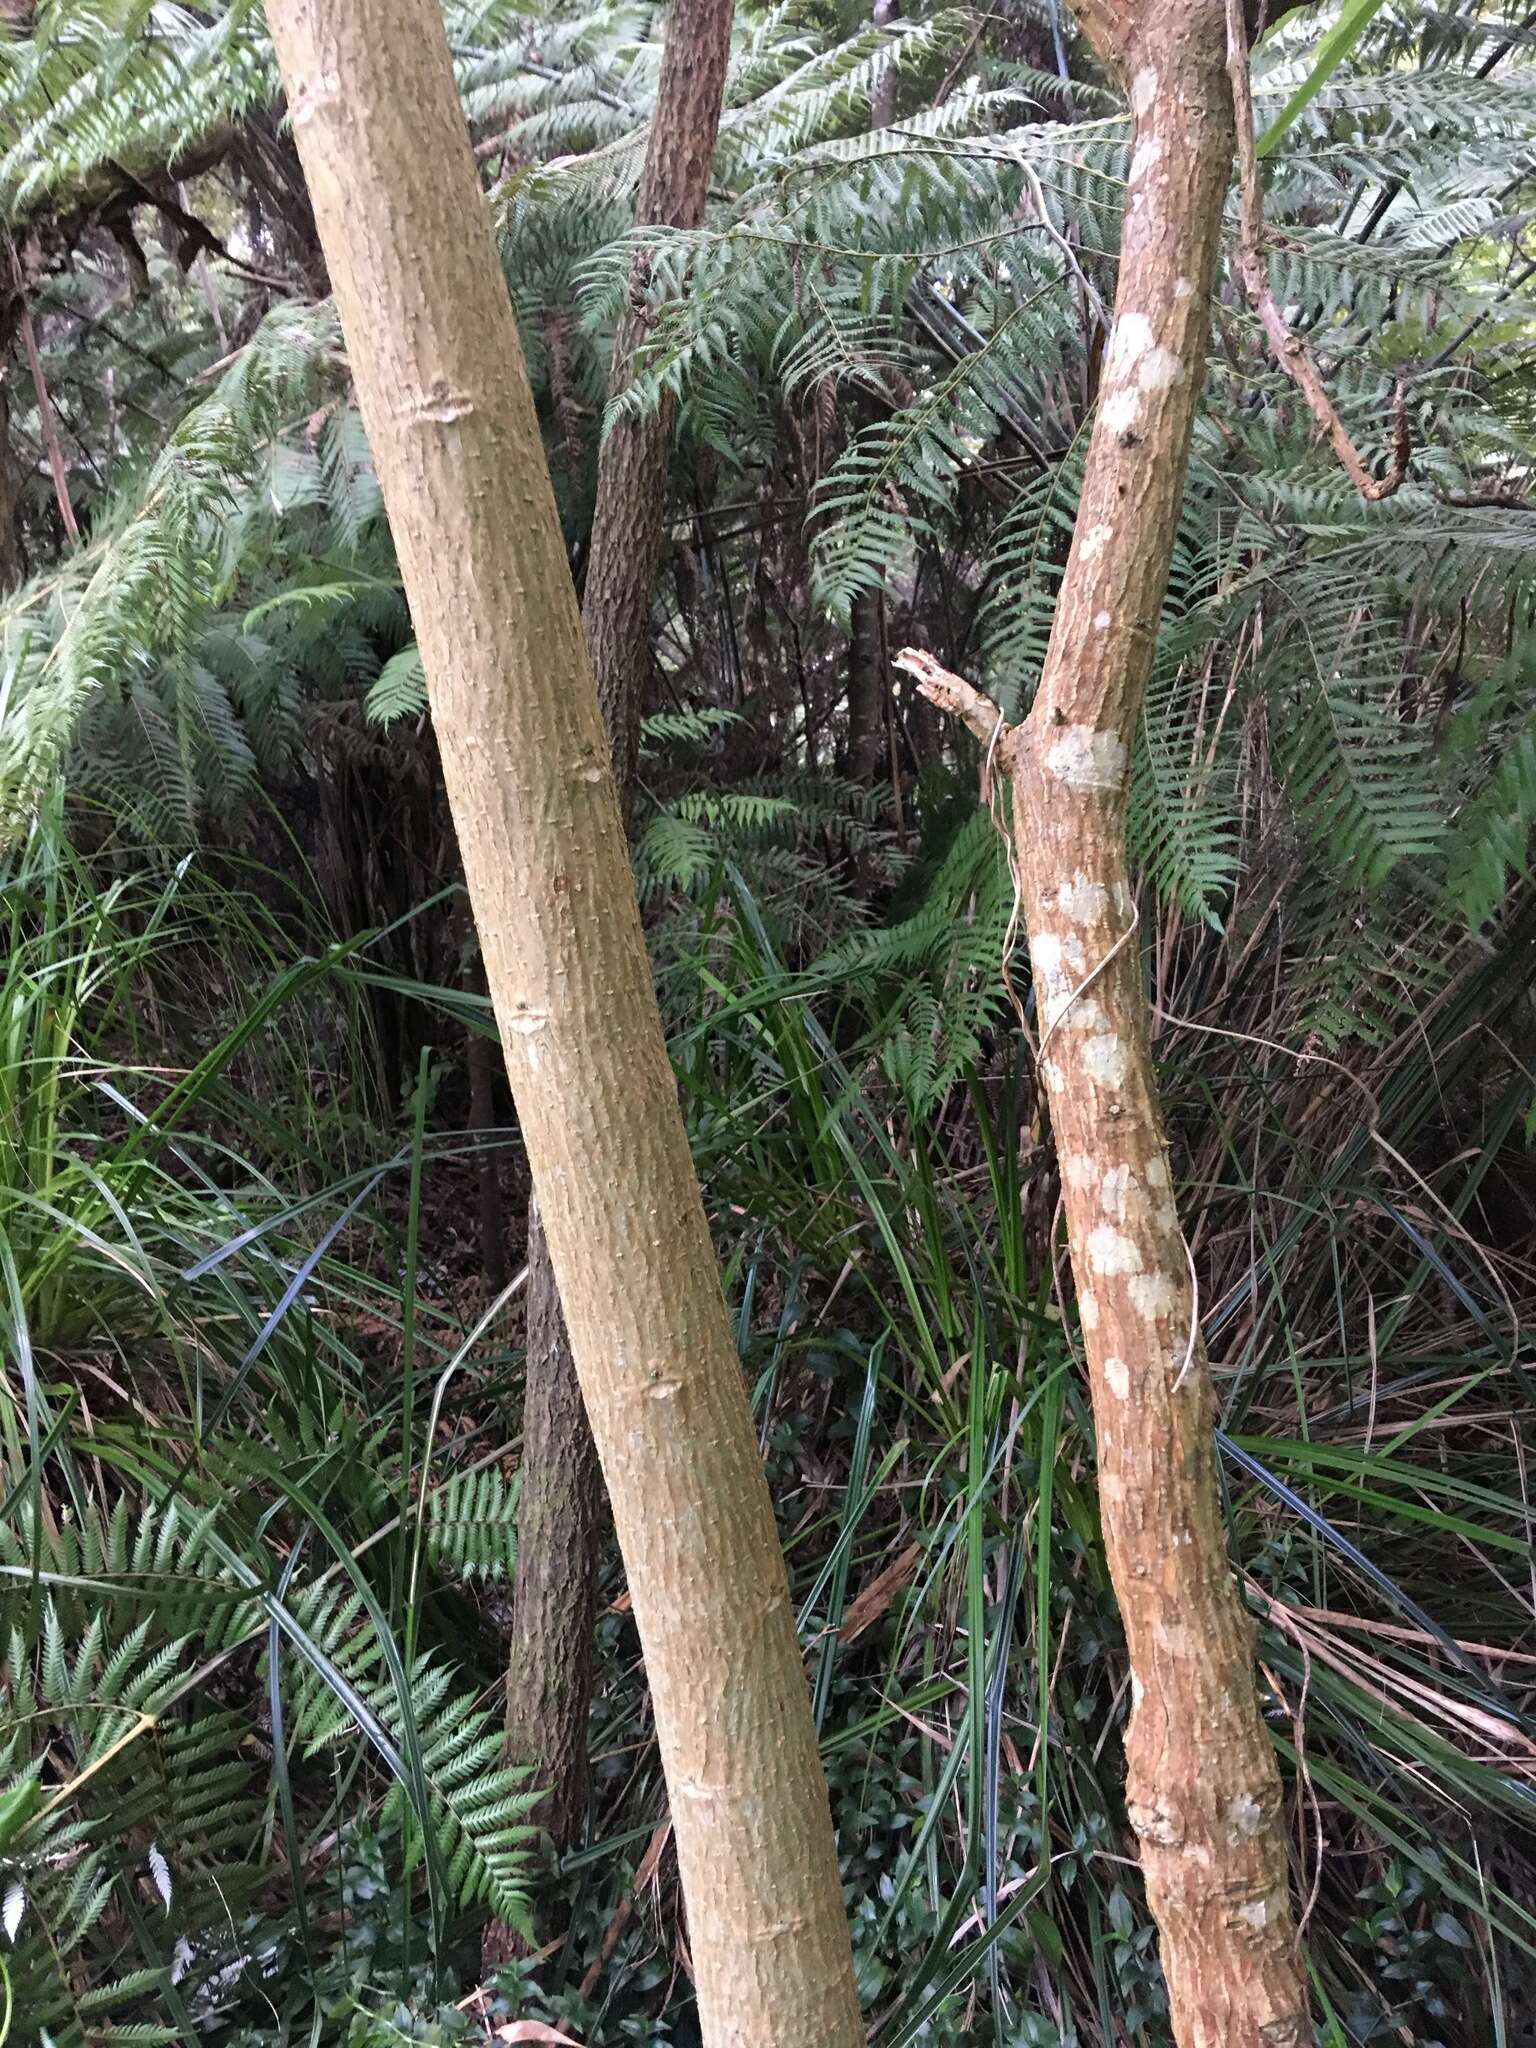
x=559 y=1519
x=632 y=467
x=1203 y=1789
x=12 y=299
x=444 y=396
x=866 y=746
x=549 y=1662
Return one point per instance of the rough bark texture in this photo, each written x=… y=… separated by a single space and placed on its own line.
x=445 y=399
x=549 y=1663
x=1204 y=1793
x=632 y=469
x=867 y=693
x=559 y=1518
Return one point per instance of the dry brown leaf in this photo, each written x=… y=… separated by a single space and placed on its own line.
x=873 y=1599
x=534 y=2030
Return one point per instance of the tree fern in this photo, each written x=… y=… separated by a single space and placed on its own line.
x=139 y=1878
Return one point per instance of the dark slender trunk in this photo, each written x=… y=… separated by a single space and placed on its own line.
x=561 y=1511
x=12 y=568
x=865 y=751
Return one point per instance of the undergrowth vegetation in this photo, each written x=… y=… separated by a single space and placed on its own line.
x=260 y=1347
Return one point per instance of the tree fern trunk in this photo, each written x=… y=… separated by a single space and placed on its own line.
x=1203 y=1790
x=445 y=399
x=549 y=1663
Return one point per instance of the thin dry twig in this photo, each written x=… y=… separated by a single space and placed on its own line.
x=1289 y=350
x=45 y=412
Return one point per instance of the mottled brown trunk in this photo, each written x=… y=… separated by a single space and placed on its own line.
x=549 y=1662
x=1203 y=1789
x=444 y=396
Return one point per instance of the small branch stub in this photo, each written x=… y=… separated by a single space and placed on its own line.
x=952 y=694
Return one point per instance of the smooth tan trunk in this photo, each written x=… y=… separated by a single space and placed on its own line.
x=445 y=399
x=1203 y=1790
x=549 y=1663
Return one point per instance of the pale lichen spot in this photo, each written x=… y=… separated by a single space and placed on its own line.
x=1122 y=409
x=1102 y=621
x=1160 y=368
x=1138 y=1691
x=1153 y=1294
x=1088 y=1308
x=1143 y=90
x=1045 y=951
x=525 y=1020
x=1174 y=1638
x=1095 y=540
x=1052 y=1075
x=1245 y=1817
x=1254 y=1913
x=1155 y=1172
x=1147 y=152
x=1078 y=1172
x=1106 y=1059
x=1082 y=1013
x=1114 y=1191
x=1110 y=1251
x=1085 y=759
x=1129 y=342
x=1081 y=901
x=1117 y=1378
x=1184 y=288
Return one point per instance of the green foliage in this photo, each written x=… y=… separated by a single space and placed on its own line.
x=191 y=1709
x=94 y=93
x=125 y=624
x=228 y=1508
x=471 y=1524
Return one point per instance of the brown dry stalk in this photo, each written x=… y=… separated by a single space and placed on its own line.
x=1289 y=350
x=45 y=413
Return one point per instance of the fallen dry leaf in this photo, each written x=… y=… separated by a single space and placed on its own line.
x=877 y=1596
x=534 y=2030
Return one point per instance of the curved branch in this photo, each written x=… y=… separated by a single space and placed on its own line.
x=1289 y=350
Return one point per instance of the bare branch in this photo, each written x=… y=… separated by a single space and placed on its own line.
x=1289 y=350
x=952 y=694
